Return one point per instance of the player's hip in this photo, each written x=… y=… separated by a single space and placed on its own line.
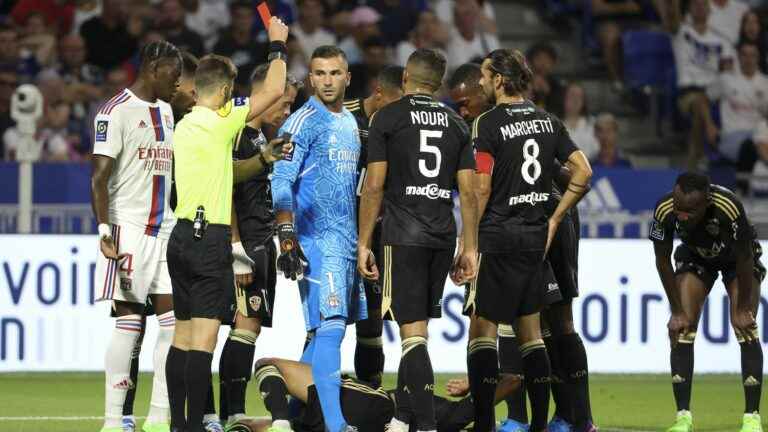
x=154 y=223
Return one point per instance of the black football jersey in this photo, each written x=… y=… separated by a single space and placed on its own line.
x=715 y=238
x=253 y=197
x=357 y=108
x=425 y=144
x=518 y=144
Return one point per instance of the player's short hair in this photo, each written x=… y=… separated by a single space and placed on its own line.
x=214 y=70
x=426 y=67
x=259 y=75
x=328 y=52
x=157 y=51
x=391 y=78
x=513 y=68
x=693 y=182
x=190 y=63
x=467 y=74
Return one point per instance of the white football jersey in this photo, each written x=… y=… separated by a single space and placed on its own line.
x=138 y=135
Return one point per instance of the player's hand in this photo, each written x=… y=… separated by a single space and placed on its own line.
x=109 y=250
x=291 y=261
x=744 y=324
x=277 y=30
x=457 y=387
x=551 y=232
x=366 y=263
x=677 y=326
x=465 y=267
x=277 y=149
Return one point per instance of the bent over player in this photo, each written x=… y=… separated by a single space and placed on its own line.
x=716 y=238
x=130 y=190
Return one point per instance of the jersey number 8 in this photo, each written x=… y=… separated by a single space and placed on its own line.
x=424 y=147
x=530 y=153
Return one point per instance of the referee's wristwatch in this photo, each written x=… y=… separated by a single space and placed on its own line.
x=105 y=232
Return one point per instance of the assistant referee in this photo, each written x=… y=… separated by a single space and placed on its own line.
x=199 y=249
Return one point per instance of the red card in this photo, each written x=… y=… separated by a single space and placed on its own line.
x=264 y=13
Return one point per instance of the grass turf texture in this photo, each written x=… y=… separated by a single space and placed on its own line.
x=620 y=402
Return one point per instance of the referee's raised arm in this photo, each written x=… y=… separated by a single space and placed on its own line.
x=274 y=84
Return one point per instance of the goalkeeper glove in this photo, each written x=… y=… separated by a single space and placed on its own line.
x=291 y=261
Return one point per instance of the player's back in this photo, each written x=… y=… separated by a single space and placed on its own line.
x=425 y=144
x=139 y=136
x=518 y=144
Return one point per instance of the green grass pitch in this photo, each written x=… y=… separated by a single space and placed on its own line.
x=620 y=402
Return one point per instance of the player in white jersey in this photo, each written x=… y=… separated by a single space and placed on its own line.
x=130 y=190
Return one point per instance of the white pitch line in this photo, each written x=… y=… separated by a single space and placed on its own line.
x=57 y=418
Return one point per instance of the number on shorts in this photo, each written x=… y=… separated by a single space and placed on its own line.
x=126 y=264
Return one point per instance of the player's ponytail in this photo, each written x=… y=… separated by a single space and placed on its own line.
x=514 y=70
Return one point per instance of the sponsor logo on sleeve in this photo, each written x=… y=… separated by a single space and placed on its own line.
x=657 y=231
x=101 y=130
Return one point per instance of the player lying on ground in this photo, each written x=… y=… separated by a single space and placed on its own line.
x=366 y=407
x=717 y=238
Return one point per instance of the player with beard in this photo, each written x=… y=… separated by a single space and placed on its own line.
x=369 y=350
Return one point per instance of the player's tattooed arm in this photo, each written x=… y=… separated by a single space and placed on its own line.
x=370 y=208
x=581 y=174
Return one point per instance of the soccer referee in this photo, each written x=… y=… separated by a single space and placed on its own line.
x=199 y=250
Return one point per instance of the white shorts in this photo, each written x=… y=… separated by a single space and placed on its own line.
x=141 y=272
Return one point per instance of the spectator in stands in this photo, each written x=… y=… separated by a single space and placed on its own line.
x=8 y=83
x=57 y=14
x=487 y=16
x=700 y=56
x=206 y=18
x=238 y=44
x=725 y=18
x=546 y=89
x=429 y=33
x=364 y=74
x=580 y=125
x=172 y=23
x=752 y=31
x=399 y=17
x=611 y=18
x=607 y=133
x=308 y=30
x=52 y=134
x=36 y=39
x=84 y=10
x=468 y=39
x=107 y=37
x=13 y=57
x=758 y=186
x=364 y=22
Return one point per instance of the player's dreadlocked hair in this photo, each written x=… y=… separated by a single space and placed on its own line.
x=391 y=77
x=693 y=182
x=190 y=63
x=159 y=50
x=513 y=67
x=468 y=74
x=426 y=67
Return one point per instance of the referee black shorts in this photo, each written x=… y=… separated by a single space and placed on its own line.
x=412 y=281
x=508 y=285
x=256 y=300
x=200 y=270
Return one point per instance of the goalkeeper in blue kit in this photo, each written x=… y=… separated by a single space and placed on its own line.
x=314 y=200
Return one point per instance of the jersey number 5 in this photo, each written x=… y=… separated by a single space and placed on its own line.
x=424 y=147
x=530 y=153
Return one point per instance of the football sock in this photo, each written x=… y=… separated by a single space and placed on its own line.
x=309 y=348
x=419 y=381
x=326 y=373
x=483 y=367
x=537 y=376
x=681 y=360
x=369 y=354
x=210 y=409
x=235 y=370
x=158 y=404
x=177 y=388
x=131 y=395
x=117 y=367
x=573 y=358
x=273 y=390
x=403 y=410
x=198 y=379
x=511 y=363
x=558 y=388
x=752 y=374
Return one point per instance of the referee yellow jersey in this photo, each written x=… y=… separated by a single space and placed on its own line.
x=202 y=151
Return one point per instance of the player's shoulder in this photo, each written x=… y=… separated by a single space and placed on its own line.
x=664 y=208
x=354 y=105
x=115 y=104
x=301 y=120
x=726 y=202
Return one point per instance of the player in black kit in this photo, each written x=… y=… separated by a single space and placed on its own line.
x=716 y=238
x=254 y=251
x=516 y=146
x=369 y=352
x=418 y=150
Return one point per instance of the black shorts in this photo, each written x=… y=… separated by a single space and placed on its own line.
x=564 y=259
x=687 y=261
x=364 y=407
x=453 y=416
x=200 y=270
x=256 y=300
x=551 y=286
x=508 y=285
x=413 y=280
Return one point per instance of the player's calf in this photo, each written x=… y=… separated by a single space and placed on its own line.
x=118 y=363
x=274 y=391
x=235 y=367
x=511 y=363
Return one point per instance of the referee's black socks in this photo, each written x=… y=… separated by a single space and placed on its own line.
x=483 y=368
x=511 y=363
x=681 y=361
x=198 y=379
x=573 y=359
x=752 y=373
x=274 y=391
x=419 y=381
x=234 y=371
x=175 y=366
x=537 y=377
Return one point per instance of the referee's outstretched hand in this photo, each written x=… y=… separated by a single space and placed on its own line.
x=277 y=30
x=291 y=262
x=277 y=149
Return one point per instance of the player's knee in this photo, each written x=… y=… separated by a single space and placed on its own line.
x=243 y=336
x=687 y=338
x=123 y=308
x=182 y=335
x=528 y=328
x=482 y=328
x=413 y=329
x=203 y=334
x=252 y=325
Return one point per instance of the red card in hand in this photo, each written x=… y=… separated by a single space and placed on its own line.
x=264 y=13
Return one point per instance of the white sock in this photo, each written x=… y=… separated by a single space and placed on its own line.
x=159 y=410
x=117 y=367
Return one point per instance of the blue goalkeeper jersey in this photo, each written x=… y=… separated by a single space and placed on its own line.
x=318 y=183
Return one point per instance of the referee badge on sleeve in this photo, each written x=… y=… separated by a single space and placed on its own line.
x=657 y=231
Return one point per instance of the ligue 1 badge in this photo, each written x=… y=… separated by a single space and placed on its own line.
x=255 y=302
x=713 y=228
x=333 y=301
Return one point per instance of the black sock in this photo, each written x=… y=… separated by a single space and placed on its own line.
x=369 y=351
x=273 y=390
x=681 y=360
x=511 y=363
x=420 y=382
x=573 y=358
x=235 y=370
x=560 y=393
x=752 y=374
x=134 y=374
x=175 y=364
x=198 y=377
x=537 y=378
x=403 y=409
x=210 y=407
x=483 y=367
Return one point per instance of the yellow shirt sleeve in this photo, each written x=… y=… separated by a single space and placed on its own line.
x=233 y=115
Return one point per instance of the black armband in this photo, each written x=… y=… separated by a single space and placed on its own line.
x=278 y=47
